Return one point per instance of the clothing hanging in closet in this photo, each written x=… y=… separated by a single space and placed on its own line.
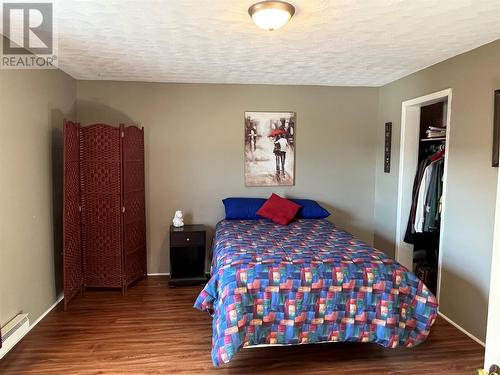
x=426 y=200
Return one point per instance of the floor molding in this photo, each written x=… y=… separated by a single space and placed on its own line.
x=461 y=329
x=159 y=274
x=59 y=299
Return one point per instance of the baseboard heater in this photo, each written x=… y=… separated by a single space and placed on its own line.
x=13 y=332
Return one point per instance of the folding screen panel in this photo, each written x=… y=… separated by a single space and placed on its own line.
x=134 y=217
x=100 y=182
x=73 y=277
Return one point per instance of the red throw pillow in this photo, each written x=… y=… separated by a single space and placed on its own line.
x=280 y=210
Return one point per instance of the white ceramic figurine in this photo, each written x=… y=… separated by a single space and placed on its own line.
x=178 y=221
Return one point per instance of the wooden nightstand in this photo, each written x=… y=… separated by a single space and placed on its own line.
x=187 y=255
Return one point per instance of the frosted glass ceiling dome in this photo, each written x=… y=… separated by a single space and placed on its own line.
x=271 y=15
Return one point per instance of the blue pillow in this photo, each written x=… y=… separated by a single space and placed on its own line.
x=242 y=208
x=310 y=209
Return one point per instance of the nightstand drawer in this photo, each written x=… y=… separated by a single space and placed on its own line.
x=187 y=239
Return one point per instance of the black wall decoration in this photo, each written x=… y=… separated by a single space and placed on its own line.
x=387 y=147
x=496 y=130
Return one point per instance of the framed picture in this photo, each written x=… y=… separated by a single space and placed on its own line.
x=387 y=147
x=496 y=130
x=270 y=148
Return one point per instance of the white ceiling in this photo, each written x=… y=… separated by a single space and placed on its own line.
x=328 y=42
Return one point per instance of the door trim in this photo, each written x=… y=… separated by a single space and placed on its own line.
x=409 y=150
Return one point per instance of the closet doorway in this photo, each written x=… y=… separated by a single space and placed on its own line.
x=425 y=129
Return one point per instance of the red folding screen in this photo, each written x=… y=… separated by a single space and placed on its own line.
x=100 y=181
x=73 y=277
x=134 y=218
x=108 y=167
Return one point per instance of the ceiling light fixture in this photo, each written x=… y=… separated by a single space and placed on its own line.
x=271 y=15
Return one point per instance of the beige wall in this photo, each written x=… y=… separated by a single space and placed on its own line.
x=194 y=148
x=471 y=180
x=194 y=156
x=33 y=105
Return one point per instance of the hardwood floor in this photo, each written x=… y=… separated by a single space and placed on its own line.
x=154 y=329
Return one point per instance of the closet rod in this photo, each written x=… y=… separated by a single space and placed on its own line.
x=433 y=139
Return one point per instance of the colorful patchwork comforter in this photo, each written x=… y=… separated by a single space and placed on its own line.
x=308 y=282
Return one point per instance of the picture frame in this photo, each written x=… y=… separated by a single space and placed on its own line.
x=269 y=148
x=496 y=130
x=387 y=147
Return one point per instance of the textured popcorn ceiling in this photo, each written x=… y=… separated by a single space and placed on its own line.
x=328 y=42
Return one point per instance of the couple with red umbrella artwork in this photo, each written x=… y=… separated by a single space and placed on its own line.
x=269 y=148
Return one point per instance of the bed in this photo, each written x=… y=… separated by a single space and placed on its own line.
x=308 y=282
